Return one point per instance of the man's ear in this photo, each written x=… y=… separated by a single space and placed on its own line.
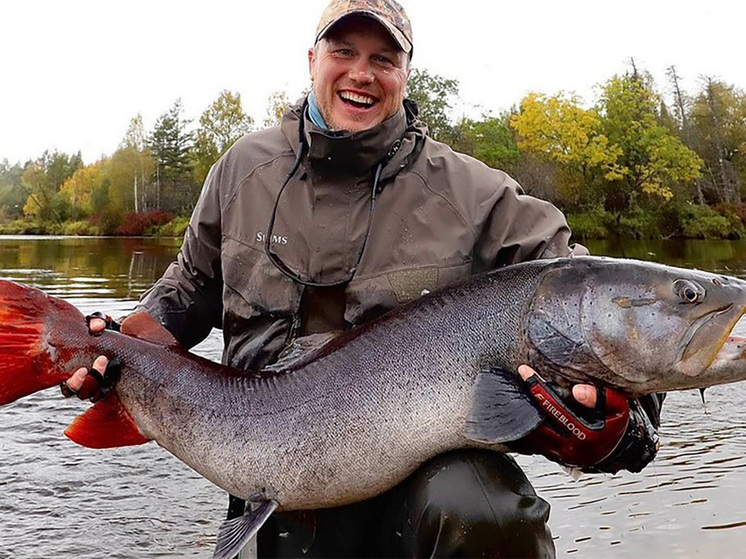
x=311 y=60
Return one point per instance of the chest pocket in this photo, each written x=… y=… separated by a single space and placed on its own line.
x=253 y=286
x=371 y=297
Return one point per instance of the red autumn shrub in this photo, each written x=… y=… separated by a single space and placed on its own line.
x=138 y=224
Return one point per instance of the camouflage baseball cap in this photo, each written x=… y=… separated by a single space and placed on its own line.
x=387 y=12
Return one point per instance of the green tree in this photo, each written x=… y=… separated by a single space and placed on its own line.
x=434 y=96
x=141 y=166
x=42 y=180
x=718 y=121
x=123 y=174
x=681 y=103
x=78 y=190
x=681 y=113
x=653 y=163
x=559 y=129
x=135 y=135
x=222 y=123
x=491 y=140
x=12 y=193
x=278 y=104
x=170 y=143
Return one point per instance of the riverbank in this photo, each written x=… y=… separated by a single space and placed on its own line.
x=689 y=221
x=146 y=224
x=686 y=221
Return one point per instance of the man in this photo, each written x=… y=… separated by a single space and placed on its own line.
x=343 y=212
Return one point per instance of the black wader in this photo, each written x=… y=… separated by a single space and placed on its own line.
x=466 y=503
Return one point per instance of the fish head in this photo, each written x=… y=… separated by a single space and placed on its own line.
x=636 y=326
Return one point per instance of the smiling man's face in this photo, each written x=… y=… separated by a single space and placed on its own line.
x=359 y=74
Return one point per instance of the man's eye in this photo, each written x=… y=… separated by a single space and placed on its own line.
x=384 y=61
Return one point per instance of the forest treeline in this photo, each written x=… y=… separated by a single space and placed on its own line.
x=642 y=160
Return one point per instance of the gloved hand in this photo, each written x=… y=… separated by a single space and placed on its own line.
x=615 y=434
x=95 y=384
x=94 y=320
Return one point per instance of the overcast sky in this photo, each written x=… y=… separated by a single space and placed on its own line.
x=74 y=72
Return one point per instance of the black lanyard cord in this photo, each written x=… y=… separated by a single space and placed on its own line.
x=274 y=258
x=279 y=264
x=284 y=268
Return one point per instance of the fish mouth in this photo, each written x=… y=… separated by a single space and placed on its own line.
x=729 y=365
x=706 y=338
x=733 y=349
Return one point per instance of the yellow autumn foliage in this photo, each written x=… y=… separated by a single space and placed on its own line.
x=557 y=127
x=77 y=191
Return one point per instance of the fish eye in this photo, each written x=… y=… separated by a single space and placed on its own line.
x=688 y=291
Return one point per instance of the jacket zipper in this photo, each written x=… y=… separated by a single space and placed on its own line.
x=295 y=322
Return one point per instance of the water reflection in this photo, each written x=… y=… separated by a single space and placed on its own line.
x=61 y=500
x=75 y=267
x=728 y=257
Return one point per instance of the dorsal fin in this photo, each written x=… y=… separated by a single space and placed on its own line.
x=300 y=351
x=144 y=327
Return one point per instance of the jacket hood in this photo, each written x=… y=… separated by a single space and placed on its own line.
x=392 y=142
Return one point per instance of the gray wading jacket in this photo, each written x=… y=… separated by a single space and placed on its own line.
x=440 y=218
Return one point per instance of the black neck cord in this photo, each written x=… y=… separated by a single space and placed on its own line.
x=275 y=259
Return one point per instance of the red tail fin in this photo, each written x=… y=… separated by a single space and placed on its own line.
x=29 y=358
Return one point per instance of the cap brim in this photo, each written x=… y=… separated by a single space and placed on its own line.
x=397 y=35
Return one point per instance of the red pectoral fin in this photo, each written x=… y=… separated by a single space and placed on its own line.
x=105 y=425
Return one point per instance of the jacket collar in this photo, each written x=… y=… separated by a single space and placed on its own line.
x=391 y=142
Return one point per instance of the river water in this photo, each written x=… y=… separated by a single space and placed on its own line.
x=61 y=500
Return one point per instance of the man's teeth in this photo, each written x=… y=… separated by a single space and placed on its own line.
x=362 y=99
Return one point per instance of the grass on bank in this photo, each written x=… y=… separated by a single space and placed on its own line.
x=146 y=224
x=686 y=221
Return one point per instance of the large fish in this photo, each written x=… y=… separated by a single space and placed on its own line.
x=354 y=416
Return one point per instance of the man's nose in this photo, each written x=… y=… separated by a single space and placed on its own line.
x=361 y=72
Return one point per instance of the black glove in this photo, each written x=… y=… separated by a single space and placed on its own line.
x=617 y=434
x=97 y=385
x=638 y=446
x=111 y=324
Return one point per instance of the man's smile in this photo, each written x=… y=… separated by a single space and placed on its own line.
x=357 y=100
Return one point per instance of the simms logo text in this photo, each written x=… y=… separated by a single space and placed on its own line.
x=277 y=239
